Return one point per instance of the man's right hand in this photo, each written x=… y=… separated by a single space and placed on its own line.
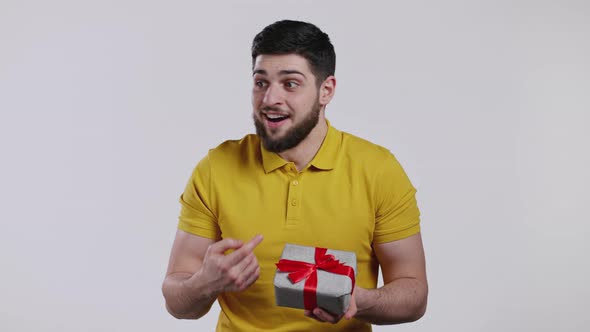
x=199 y=271
x=228 y=273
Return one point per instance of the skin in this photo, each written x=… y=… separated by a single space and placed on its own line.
x=401 y=299
x=199 y=271
x=286 y=84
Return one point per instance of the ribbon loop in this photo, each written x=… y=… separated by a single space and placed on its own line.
x=308 y=272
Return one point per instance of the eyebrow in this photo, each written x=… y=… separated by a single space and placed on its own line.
x=282 y=72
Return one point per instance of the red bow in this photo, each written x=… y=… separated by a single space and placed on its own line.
x=301 y=270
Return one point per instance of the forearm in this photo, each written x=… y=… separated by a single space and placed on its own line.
x=184 y=301
x=400 y=301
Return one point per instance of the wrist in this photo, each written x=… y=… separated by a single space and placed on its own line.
x=198 y=287
x=365 y=298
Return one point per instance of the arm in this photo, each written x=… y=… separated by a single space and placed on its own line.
x=404 y=294
x=199 y=271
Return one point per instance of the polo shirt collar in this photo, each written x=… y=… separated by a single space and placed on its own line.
x=271 y=160
x=325 y=158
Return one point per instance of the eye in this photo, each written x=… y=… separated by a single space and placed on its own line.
x=259 y=84
x=291 y=84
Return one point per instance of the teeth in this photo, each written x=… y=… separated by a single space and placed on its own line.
x=275 y=116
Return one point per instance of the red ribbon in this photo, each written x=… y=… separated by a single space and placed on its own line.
x=302 y=270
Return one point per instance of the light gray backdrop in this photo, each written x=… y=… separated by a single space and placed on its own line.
x=106 y=106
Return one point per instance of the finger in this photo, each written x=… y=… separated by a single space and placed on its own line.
x=241 y=276
x=253 y=243
x=352 y=309
x=224 y=245
x=244 y=268
x=235 y=271
x=325 y=316
x=251 y=266
x=238 y=255
x=349 y=314
x=310 y=314
x=251 y=279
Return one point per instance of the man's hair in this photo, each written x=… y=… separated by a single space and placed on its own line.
x=301 y=38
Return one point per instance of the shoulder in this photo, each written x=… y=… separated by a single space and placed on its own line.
x=236 y=145
x=237 y=150
x=360 y=149
x=374 y=161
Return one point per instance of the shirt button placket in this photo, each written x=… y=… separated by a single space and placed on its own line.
x=294 y=200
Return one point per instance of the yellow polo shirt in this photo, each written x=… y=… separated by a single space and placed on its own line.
x=351 y=195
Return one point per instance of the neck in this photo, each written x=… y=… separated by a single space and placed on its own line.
x=304 y=152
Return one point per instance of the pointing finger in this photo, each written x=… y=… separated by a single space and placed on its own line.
x=254 y=242
x=236 y=256
x=222 y=246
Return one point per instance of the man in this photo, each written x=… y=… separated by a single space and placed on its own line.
x=298 y=180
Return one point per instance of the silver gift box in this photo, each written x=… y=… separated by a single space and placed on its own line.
x=333 y=290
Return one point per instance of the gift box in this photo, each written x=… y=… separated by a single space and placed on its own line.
x=309 y=277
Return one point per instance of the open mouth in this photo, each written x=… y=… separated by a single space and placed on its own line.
x=276 y=117
x=275 y=120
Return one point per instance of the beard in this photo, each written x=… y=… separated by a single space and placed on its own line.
x=293 y=136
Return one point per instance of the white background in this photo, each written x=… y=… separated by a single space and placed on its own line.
x=106 y=106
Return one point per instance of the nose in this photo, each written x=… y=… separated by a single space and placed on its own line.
x=272 y=96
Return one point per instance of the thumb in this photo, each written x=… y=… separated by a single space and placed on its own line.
x=352 y=308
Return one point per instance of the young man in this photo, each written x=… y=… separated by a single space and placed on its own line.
x=298 y=180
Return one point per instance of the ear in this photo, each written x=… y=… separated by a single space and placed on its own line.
x=327 y=90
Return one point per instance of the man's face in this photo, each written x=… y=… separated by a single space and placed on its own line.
x=285 y=100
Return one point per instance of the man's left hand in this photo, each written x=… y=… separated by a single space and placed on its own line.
x=324 y=316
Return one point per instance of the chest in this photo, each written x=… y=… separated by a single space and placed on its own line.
x=311 y=208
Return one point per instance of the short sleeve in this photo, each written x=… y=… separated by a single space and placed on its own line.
x=397 y=215
x=196 y=216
